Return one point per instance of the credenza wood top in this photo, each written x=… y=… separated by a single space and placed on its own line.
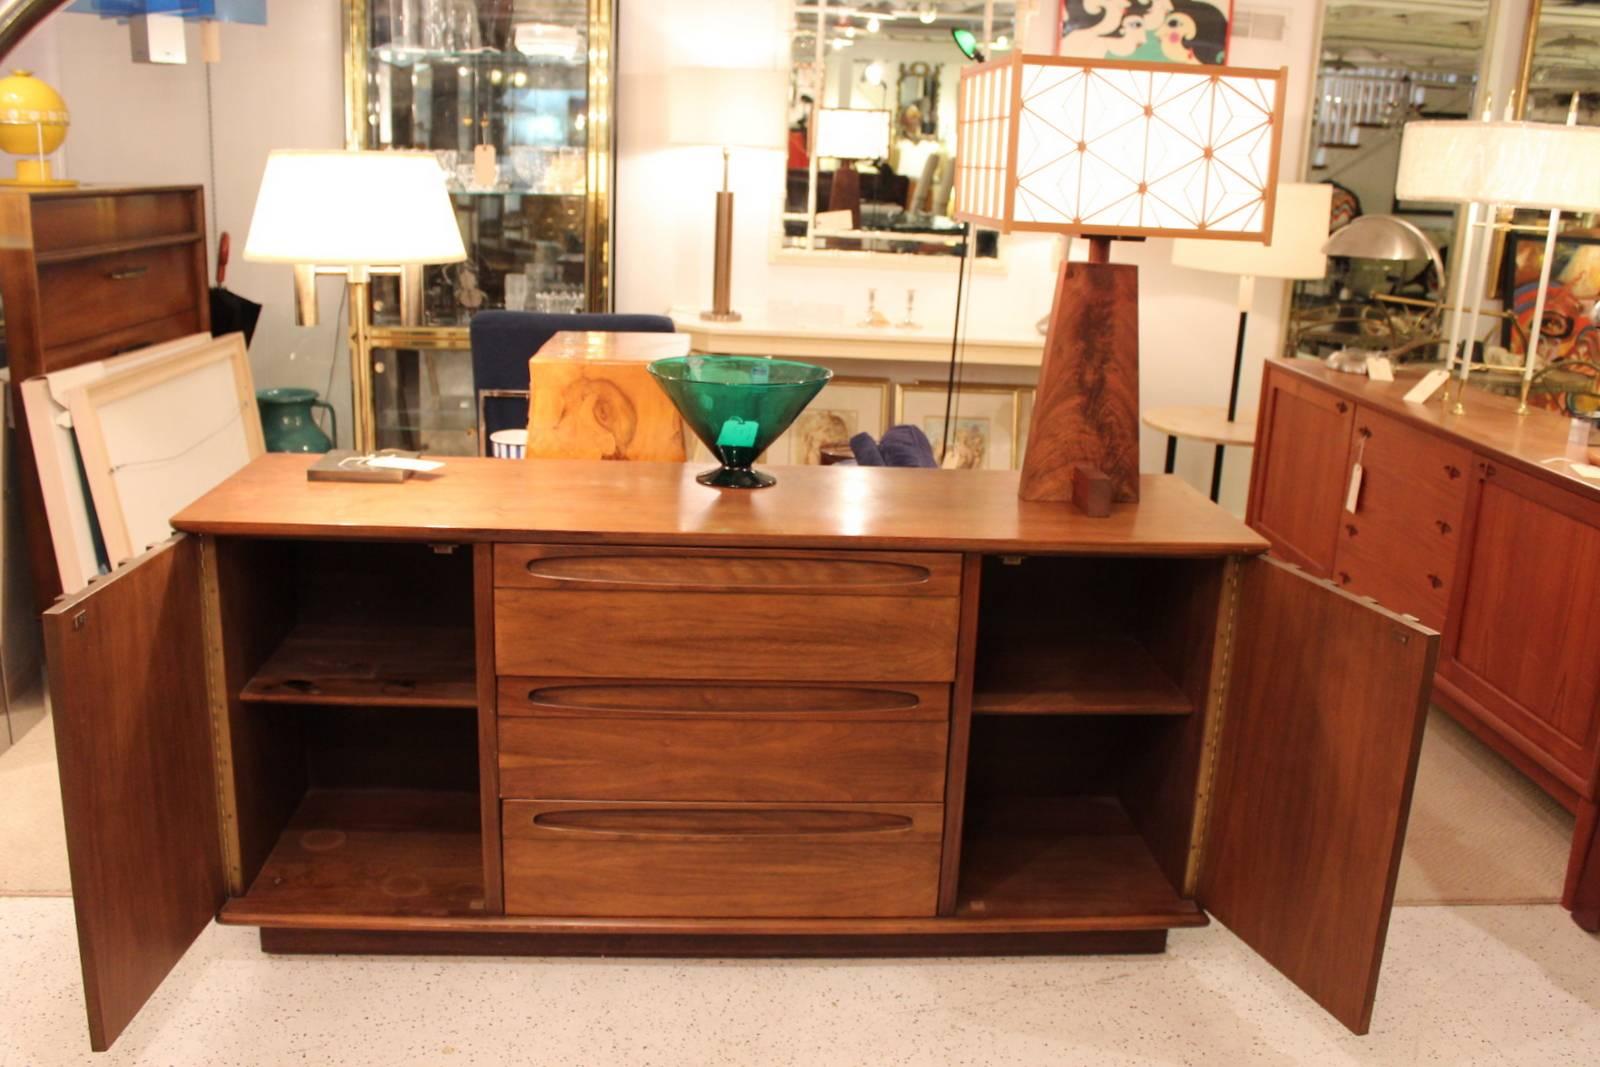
x=1535 y=442
x=473 y=499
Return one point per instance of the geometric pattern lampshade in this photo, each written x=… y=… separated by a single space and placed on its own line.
x=1119 y=148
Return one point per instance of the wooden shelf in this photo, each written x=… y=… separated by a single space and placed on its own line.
x=1067 y=857
x=371 y=852
x=393 y=666
x=1072 y=673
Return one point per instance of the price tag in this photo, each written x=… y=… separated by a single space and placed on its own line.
x=404 y=463
x=1429 y=385
x=1352 y=499
x=1379 y=369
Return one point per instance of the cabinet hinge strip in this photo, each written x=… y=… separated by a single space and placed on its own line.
x=221 y=724
x=1216 y=702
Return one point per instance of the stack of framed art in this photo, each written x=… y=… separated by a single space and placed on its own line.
x=123 y=443
x=991 y=421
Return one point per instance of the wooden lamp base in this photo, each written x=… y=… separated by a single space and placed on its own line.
x=1086 y=411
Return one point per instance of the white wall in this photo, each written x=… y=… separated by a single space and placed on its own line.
x=664 y=230
x=278 y=86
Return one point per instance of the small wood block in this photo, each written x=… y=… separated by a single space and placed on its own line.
x=1087 y=406
x=1091 y=491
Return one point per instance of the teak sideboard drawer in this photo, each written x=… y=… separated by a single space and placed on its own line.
x=86 y=298
x=65 y=224
x=723 y=861
x=701 y=570
x=681 y=755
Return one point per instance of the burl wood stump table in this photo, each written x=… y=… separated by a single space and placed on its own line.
x=590 y=396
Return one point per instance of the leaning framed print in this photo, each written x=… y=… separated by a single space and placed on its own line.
x=984 y=434
x=844 y=408
x=1571 y=326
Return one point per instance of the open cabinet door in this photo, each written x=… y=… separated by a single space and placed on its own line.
x=1316 y=757
x=128 y=690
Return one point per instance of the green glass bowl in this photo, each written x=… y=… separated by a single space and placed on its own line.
x=738 y=405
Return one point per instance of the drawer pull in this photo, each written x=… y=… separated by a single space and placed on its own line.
x=1364 y=432
x=1342 y=407
x=661 y=699
x=1350 y=528
x=1444 y=527
x=1452 y=470
x=1344 y=577
x=1435 y=581
x=701 y=824
x=126 y=273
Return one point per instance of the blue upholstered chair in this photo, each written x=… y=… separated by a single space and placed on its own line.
x=504 y=341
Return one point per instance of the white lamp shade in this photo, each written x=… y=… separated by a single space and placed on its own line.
x=727 y=108
x=852 y=133
x=1119 y=148
x=1299 y=230
x=353 y=209
x=1522 y=164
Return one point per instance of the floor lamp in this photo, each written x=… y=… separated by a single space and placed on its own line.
x=348 y=213
x=725 y=108
x=1299 y=230
x=1109 y=149
x=1486 y=166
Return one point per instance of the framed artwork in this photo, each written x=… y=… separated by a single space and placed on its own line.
x=1571 y=326
x=844 y=408
x=985 y=417
x=1194 y=32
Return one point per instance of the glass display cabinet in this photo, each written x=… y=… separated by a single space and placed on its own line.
x=513 y=97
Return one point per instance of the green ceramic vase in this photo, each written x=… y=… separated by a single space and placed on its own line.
x=286 y=421
x=738 y=405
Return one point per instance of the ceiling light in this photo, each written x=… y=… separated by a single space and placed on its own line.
x=928 y=14
x=873 y=25
x=1001 y=43
x=874 y=73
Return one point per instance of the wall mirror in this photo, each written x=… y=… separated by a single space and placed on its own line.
x=1382 y=65
x=1562 y=58
x=872 y=124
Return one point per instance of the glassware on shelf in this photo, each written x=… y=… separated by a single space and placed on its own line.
x=874 y=317
x=910 y=322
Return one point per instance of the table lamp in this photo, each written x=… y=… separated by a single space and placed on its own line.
x=1110 y=149
x=346 y=213
x=1295 y=252
x=33 y=123
x=1488 y=165
x=725 y=108
x=849 y=134
x=1382 y=237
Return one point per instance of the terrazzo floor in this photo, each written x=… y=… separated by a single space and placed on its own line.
x=1489 y=986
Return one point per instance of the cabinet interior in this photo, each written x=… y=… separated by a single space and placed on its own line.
x=353 y=727
x=1089 y=709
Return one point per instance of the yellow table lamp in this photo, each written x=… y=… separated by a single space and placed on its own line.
x=33 y=123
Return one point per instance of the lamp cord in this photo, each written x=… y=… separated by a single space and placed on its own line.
x=957 y=345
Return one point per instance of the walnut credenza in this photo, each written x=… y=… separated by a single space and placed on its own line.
x=558 y=707
x=85 y=273
x=1474 y=525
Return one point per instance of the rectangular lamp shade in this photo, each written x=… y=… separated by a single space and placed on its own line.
x=726 y=108
x=1119 y=148
x=852 y=133
x=1542 y=165
x=1300 y=223
x=353 y=209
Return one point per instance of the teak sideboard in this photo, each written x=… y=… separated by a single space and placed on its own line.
x=1473 y=524
x=568 y=707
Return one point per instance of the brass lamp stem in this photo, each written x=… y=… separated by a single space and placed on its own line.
x=361 y=414
x=722 y=268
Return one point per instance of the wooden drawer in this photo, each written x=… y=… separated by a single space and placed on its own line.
x=721 y=860
x=84 y=298
x=65 y=224
x=658 y=741
x=591 y=612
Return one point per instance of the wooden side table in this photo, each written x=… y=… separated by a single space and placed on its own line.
x=1200 y=423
